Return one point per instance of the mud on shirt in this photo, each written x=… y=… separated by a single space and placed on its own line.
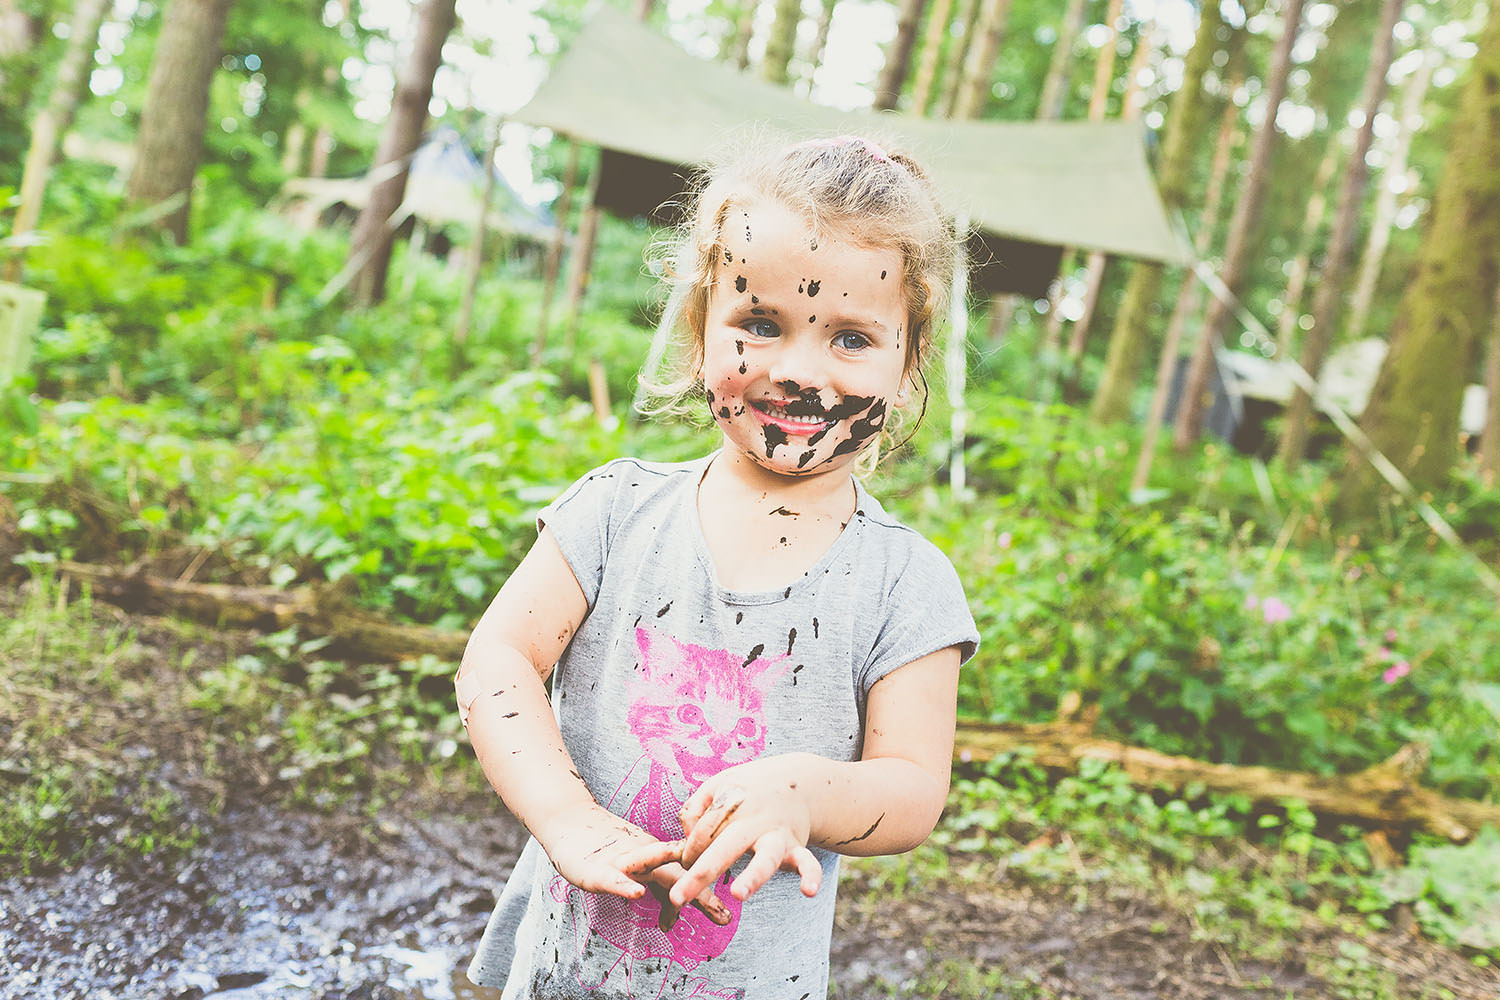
x=670 y=679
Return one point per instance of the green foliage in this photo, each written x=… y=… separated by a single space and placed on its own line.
x=1455 y=891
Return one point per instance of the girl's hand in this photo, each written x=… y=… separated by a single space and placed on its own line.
x=598 y=851
x=756 y=808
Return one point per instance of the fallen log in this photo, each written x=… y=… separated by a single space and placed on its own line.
x=1385 y=796
x=317 y=610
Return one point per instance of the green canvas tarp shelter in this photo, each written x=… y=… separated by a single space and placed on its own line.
x=1028 y=188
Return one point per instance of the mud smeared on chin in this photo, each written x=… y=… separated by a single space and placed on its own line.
x=775 y=438
x=862 y=430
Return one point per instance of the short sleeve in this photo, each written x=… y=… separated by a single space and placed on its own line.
x=579 y=521
x=925 y=611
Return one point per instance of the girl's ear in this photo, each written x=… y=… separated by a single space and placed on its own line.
x=903 y=392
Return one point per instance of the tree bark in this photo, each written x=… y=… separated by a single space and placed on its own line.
x=737 y=49
x=782 y=41
x=1055 y=87
x=373 y=237
x=898 y=56
x=1237 y=251
x=1127 y=342
x=170 y=141
x=1312 y=222
x=979 y=67
x=819 y=44
x=1413 y=413
x=958 y=54
x=553 y=263
x=1489 y=438
x=1328 y=302
x=53 y=122
x=1187 y=293
x=1384 y=215
x=932 y=55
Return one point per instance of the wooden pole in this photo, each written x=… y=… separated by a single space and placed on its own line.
x=553 y=263
x=583 y=255
x=475 y=260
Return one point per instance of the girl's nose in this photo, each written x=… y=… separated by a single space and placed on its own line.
x=799 y=360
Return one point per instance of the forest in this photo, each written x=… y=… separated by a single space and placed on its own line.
x=305 y=313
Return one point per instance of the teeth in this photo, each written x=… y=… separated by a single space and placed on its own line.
x=781 y=414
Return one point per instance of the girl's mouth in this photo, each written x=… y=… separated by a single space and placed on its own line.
x=791 y=418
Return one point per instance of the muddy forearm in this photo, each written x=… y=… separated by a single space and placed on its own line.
x=886 y=805
x=515 y=736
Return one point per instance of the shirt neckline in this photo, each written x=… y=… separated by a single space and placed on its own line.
x=699 y=469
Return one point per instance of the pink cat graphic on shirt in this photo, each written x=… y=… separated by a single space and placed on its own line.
x=695 y=711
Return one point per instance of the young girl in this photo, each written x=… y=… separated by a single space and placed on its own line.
x=755 y=665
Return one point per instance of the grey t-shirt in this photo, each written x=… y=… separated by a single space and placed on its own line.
x=671 y=679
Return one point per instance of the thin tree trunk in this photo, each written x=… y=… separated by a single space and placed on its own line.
x=1127 y=342
x=958 y=54
x=1312 y=221
x=782 y=42
x=738 y=49
x=1237 y=251
x=644 y=9
x=475 y=260
x=372 y=235
x=979 y=68
x=322 y=141
x=1129 y=111
x=1328 y=302
x=1489 y=438
x=170 y=141
x=1413 y=413
x=898 y=55
x=53 y=122
x=554 y=252
x=1187 y=294
x=1055 y=88
x=932 y=54
x=819 y=44
x=1384 y=215
x=583 y=257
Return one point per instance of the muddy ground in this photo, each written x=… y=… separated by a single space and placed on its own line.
x=281 y=900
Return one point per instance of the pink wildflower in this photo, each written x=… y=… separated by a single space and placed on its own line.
x=1396 y=671
x=1390 y=635
x=965 y=756
x=1251 y=602
x=1274 y=609
x=1005 y=539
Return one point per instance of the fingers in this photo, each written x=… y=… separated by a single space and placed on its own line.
x=643 y=858
x=706 y=827
x=776 y=851
x=805 y=863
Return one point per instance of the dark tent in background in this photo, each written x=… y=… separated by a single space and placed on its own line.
x=1028 y=188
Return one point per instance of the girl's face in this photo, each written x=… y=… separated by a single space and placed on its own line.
x=804 y=343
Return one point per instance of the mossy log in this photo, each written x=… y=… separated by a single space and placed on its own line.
x=1386 y=796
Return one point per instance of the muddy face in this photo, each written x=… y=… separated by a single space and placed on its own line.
x=801 y=391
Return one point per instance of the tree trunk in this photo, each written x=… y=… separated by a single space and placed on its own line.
x=474 y=262
x=1187 y=293
x=1129 y=111
x=1127 y=342
x=53 y=122
x=372 y=235
x=583 y=257
x=322 y=142
x=1384 y=215
x=1055 y=88
x=979 y=68
x=1489 y=438
x=932 y=55
x=737 y=48
x=18 y=33
x=1312 y=222
x=782 y=42
x=1413 y=413
x=819 y=44
x=898 y=55
x=1237 y=251
x=553 y=263
x=170 y=141
x=958 y=53
x=1328 y=302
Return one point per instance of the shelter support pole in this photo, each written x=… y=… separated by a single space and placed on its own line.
x=955 y=359
x=553 y=263
x=475 y=257
x=1187 y=299
x=583 y=256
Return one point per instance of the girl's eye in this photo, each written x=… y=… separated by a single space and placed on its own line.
x=762 y=328
x=851 y=341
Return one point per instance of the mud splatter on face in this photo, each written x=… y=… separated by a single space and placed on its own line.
x=743 y=368
x=724 y=412
x=805 y=457
x=754 y=299
x=740 y=284
x=812 y=288
x=882 y=275
x=757 y=311
x=775 y=437
x=801 y=286
x=784 y=512
x=812 y=319
x=739 y=347
x=862 y=430
x=728 y=256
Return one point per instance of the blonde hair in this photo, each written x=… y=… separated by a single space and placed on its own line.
x=846 y=187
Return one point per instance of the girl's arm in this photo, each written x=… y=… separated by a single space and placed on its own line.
x=885 y=803
x=503 y=700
